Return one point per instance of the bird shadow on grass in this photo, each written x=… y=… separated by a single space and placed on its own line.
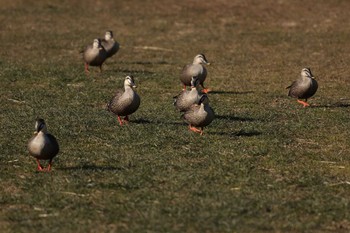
x=141 y=121
x=177 y=123
x=335 y=105
x=234 y=118
x=155 y=121
x=231 y=92
x=91 y=167
x=241 y=133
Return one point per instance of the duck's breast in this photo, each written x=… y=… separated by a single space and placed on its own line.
x=127 y=103
x=210 y=116
x=95 y=57
x=111 y=47
x=312 y=89
x=135 y=103
x=192 y=70
x=43 y=146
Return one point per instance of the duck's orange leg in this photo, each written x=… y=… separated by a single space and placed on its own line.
x=126 y=119
x=120 y=120
x=205 y=90
x=50 y=165
x=87 y=68
x=40 y=168
x=194 y=129
x=304 y=103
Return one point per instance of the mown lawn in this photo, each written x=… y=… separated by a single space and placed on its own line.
x=264 y=165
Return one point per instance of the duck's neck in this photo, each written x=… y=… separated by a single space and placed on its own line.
x=128 y=88
x=193 y=89
x=306 y=78
x=196 y=62
x=41 y=132
x=108 y=37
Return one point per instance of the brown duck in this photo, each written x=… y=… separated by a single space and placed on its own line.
x=304 y=87
x=187 y=98
x=43 y=146
x=125 y=102
x=196 y=69
x=94 y=55
x=199 y=115
x=109 y=44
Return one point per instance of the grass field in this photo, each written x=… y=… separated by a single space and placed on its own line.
x=264 y=165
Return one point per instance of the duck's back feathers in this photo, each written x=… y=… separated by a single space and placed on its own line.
x=186 y=99
x=199 y=116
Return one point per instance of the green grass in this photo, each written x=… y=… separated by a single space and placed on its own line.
x=264 y=165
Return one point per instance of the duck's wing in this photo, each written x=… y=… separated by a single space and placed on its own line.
x=114 y=100
x=54 y=144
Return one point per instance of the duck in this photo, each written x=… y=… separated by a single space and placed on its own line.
x=43 y=145
x=109 y=44
x=196 y=69
x=186 y=98
x=199 y=115
x=94 y=55
x=304 y=87
x=125 y=102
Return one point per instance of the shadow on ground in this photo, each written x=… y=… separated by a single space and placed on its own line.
x=141 y=121
x=155 y=121
x=91 y=167
x=234 y=118
x=335 y=105
x=241 y=133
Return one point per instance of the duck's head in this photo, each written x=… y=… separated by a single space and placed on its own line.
x=200 y=59
x=203 y=99
x=194 y=82
x=108 y=35
x=97 y=44
x=129 y=81
x=40 y=125
x=306 y=72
